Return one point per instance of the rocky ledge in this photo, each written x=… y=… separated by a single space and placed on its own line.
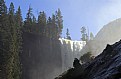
x=107 y=65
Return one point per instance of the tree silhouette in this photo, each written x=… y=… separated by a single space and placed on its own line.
x=84 y=36
x=68 y=34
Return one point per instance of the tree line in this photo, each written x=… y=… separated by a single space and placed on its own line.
x=11 y=28
x=85 y=35
x=50 y=27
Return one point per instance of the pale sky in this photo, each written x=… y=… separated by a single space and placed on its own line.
x=93 y=14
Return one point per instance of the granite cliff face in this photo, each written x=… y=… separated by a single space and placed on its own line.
x=109 y=34
x=107 y=65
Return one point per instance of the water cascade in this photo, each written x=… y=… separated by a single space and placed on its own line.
x=69 y=50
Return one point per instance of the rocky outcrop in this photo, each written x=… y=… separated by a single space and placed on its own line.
x=107 y=65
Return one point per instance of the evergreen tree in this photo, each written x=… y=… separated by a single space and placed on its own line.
x=91 y=36
x=4 y=40
x=49 y=27
x=42 y=22
x=3 y=9
x=19 y=17
x=13 y=62
x=59 y=22
x=68 y=34
x=12 y=48
x=3 y=15
x=11 y=17
x=84 y=36
x=42 y=18
x=34 y=20
x=19 y=25
x=28 y=20
x=54 y=27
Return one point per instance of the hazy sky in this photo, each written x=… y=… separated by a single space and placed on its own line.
x=76 y=13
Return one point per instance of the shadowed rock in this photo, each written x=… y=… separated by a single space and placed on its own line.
x=76 y=63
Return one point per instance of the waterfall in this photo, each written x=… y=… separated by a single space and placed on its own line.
x=43 y=58
x=69 y=50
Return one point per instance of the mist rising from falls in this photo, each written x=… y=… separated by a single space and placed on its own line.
x=69 y=50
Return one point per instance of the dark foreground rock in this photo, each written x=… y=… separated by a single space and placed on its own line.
x=107 y=65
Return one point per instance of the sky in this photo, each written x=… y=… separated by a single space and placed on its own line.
x=93 y=14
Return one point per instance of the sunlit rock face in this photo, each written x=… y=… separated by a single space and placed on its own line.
x=109 y=34
x=70 y=50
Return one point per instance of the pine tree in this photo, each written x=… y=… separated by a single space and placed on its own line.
x=3 y=14
x=19 y=24
x=19 y=17
x=12 y=42
x=33 y=20
x=28 y=20
x=4 y=40
x=54 y=27
x=68 y=34
x=42 y=18
x=49 y=27
x=91 y=36
x=42 y=22
x=13 y=62
x=3 y=9
x=59 y=22
x=84 y=36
